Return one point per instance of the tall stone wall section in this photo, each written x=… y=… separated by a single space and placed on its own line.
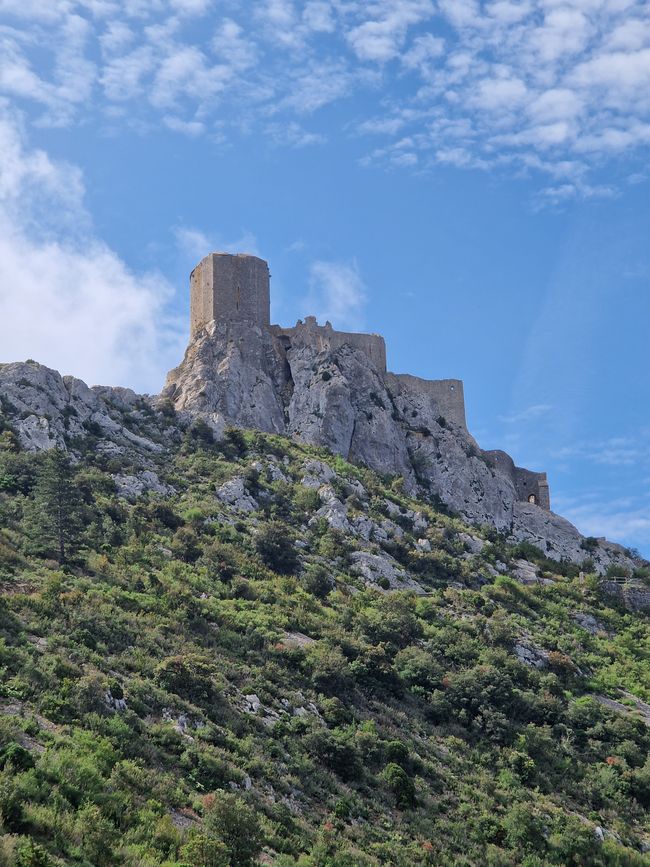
x=531 y=487
x=446 y=394
x=231 y=288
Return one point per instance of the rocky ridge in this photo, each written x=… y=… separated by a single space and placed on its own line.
x=235 y=375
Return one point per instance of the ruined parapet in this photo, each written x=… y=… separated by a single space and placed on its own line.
x=324 y=337
x=229 y=287
x=447 y=395
x=530 y=487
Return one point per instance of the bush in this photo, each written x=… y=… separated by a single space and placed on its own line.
x=201 y=850
x=274 y=544
x=316 y=580
x=400 y=784
x=397 y=753
x=189 y=676
x=231 y=820
x=17 y=757
x=337 y=751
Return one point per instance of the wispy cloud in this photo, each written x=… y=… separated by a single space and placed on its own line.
x=627 y=451
x=626 y=520
x=337 y=294
x=529 y=414
x=195 y=243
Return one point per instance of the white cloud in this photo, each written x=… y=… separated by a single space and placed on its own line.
x=500 y=93
x=423 y=50
x=624 y=520
x=230 y=45
x=558 y=103
x=317 y=16
x=123 y=77
x=117 y=37
x=381 y=37
x=191 y=7
x=547 y=86
x=337 y=294
x=191 y=128
x=293 y=135
x=66 y=299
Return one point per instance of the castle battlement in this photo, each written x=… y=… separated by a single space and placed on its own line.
x=324 y=337
x=235 y=287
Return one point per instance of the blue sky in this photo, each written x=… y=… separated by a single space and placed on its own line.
x=468 y=179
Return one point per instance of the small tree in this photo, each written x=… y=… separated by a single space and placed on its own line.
x=231 y=820
x=400 y=784
x=275 y=546
x=55 y=516
x=204 y=851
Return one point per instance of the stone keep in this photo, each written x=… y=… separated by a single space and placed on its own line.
x=230 y=288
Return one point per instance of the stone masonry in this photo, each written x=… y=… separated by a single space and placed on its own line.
x=231 y=288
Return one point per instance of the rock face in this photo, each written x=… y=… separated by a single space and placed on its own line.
x=237 y=374
x=45 y=410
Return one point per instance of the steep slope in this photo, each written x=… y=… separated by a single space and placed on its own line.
x=255 y=646
x=335 y=396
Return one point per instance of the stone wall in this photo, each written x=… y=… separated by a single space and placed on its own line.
x=324 y=337
x=447 y=394
x=228 y=287
x=528 y=484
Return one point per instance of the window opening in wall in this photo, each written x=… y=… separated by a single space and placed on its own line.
x=532 y=499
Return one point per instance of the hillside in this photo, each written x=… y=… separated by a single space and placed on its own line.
x=219 y=651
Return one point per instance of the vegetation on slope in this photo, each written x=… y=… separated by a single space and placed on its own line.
x=185 y=684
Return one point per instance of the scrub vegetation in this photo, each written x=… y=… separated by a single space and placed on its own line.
x=182 y=683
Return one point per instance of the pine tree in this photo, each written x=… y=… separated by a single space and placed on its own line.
x=56 y=513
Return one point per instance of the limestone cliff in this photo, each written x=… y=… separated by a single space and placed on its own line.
x=235 y=374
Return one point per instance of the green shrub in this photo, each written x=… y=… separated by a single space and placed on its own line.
x=400 y=784
x=231 y=820
x=274 y=544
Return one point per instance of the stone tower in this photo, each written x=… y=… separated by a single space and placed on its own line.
x=230 y=287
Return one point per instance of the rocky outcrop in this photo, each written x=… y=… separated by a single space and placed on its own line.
x=634 y=595
x=48 y=410
x=238 y=374
x=558 y=539
x=241 y=375
x=232 y=373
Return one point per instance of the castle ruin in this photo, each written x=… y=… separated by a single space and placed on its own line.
x=235 y=288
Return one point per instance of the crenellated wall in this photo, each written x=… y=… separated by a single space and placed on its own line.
x=446 y=394
x=324 y=337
